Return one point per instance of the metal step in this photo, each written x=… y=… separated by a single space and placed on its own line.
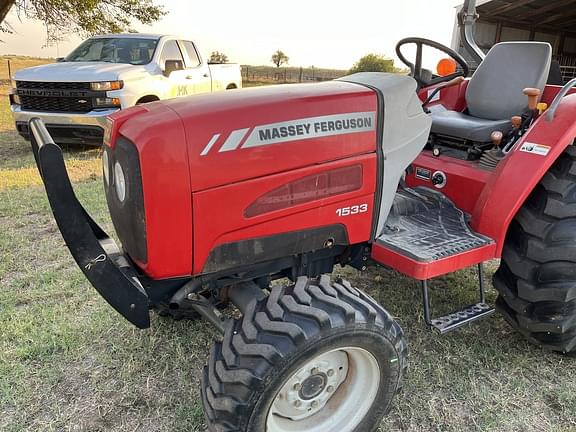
x=459 y=318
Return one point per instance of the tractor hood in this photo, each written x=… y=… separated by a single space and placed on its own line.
x=194 y=152
x=239 y=135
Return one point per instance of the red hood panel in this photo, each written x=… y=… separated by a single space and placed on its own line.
x=240 y=135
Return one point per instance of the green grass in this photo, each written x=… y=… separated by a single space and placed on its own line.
x=68 y=362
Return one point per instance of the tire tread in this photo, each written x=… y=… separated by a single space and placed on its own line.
x=536 y=280
x=238 y=365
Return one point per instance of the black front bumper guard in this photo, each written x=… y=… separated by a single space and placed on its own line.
x=97 y=255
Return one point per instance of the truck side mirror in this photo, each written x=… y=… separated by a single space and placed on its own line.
x=172 y=65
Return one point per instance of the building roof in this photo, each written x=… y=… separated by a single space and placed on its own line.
x=553 y=15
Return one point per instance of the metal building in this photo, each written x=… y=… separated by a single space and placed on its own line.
x=552 y=21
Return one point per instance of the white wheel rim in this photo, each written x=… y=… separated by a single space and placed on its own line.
x=333 y=392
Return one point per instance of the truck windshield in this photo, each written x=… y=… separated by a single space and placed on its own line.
x=134 y=51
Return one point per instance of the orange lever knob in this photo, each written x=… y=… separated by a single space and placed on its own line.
x=533 y=96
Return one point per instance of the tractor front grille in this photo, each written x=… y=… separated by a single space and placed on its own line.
x=128 y=217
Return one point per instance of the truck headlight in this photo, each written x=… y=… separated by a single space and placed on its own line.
x=119 y=182
x=106 y=85
x=106 y=167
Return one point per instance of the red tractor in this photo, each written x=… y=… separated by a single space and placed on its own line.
x=214 y=197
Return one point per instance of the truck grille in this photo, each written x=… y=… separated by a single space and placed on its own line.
x=56 y=96
x=53 y=85
x=53 y=104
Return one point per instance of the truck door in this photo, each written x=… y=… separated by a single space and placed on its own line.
x=196 y=70
x=178 y=82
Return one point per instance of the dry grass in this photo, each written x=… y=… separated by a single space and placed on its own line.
x=68 y=362
x=78 y=170
x=17 y=63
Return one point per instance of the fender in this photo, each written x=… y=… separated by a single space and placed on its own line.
x=518 y=175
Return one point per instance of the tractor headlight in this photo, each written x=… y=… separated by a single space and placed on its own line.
x=106 y=85
x=106 y=167
x=119 y=182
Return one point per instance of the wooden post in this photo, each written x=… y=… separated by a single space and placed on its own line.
x=9 y=70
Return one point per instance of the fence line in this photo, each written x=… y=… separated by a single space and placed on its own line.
x=289 y=75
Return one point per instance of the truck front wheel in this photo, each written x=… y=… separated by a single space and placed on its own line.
x=315 y=356
x=537 y=275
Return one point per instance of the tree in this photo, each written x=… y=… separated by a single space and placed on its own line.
x=218 y=57
x=83 y=17
x=373 y=63
x=279 y=58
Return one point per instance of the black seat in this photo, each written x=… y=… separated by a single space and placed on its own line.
x=494 y=93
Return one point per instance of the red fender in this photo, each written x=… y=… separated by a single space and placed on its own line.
x=518 y=175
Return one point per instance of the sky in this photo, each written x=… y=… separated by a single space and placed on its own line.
x=316 y=33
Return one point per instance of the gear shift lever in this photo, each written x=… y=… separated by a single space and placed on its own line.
x=492 y=157
x=496 y=138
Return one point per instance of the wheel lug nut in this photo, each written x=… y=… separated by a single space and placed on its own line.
x=314 y=371
x=314 y=404
x=297 y=386
x=297 y=404
x=330 y=372
x=330 y=389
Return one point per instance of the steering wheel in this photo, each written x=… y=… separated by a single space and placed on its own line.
x=416 y=69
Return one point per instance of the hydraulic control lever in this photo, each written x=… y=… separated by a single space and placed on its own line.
x=520 y=124
x=533 y=97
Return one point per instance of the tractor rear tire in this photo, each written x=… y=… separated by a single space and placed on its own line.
x=318 y=355
x=537 y=275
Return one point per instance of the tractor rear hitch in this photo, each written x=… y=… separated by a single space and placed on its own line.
x=97 y=255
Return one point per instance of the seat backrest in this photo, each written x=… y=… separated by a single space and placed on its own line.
x=495 y=89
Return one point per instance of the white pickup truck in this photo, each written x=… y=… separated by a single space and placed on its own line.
x=107 y=73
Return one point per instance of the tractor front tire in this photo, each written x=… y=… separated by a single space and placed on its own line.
x=537 y=275
x=318 y=355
